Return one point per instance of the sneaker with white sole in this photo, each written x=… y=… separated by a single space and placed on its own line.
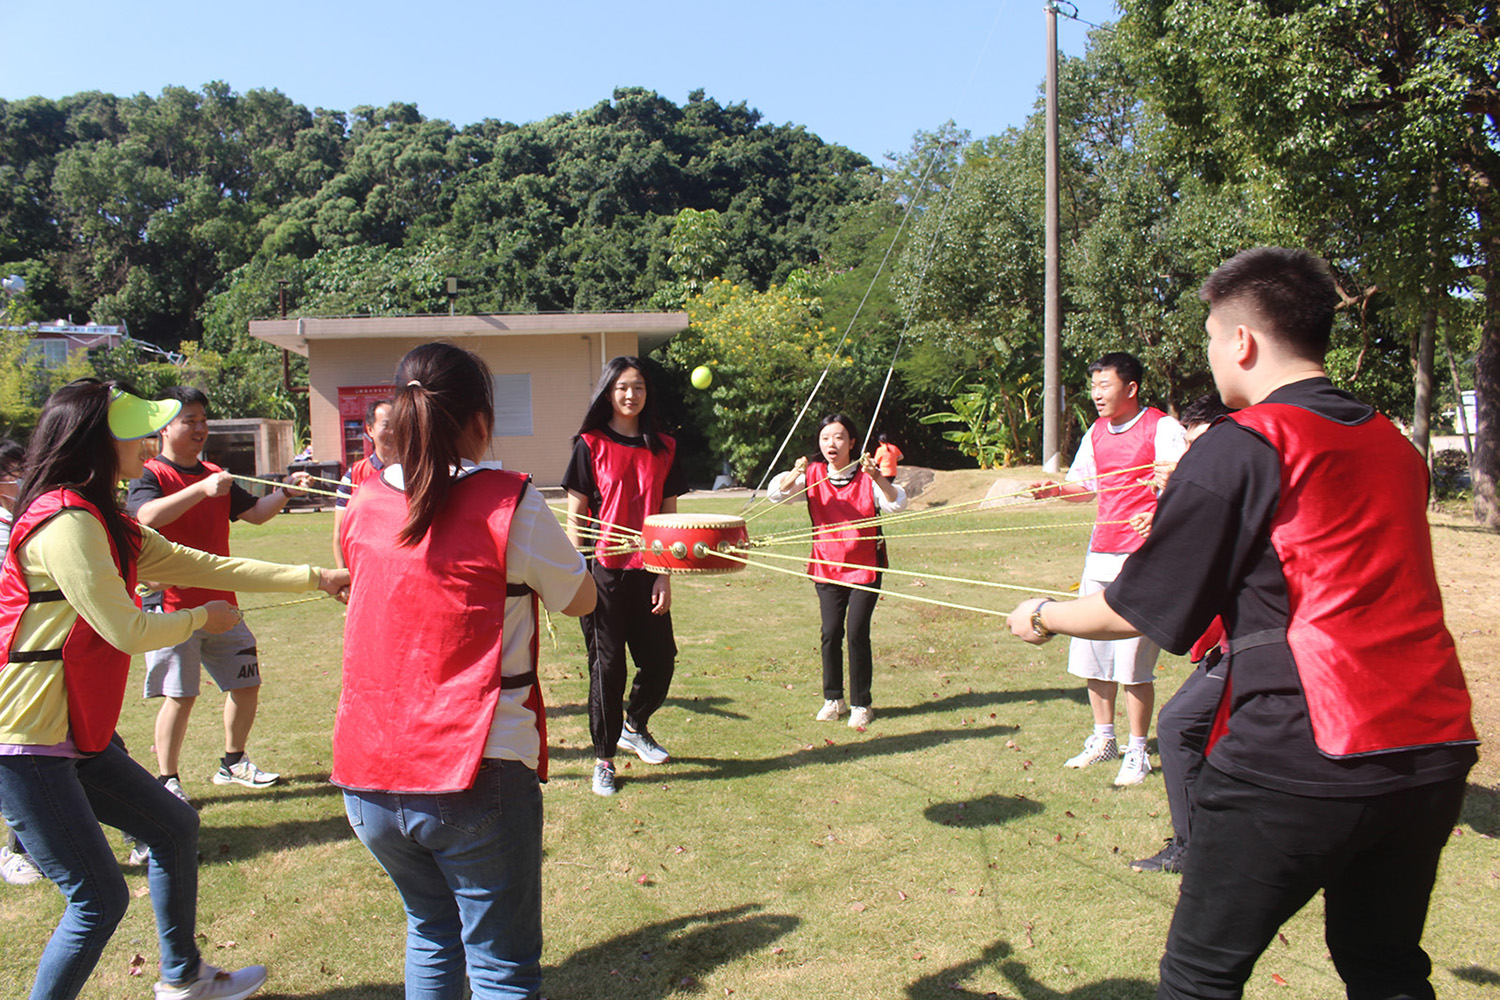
x=1096 y=750
x=214 y=983
x=17 y=868
x=831 y=710
x=1134 y=767
x=640 y=743
x=860 y=716
x=245 y=773
x=175 y=787
x=604 y=778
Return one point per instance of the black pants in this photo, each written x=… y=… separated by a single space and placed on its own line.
x=1258 y=856
x=836 y=603
x=622 y=620
x=1182 y=728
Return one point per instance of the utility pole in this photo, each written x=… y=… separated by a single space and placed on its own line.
x=1052 y=310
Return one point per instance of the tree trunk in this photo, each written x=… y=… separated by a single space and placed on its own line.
x=1421 y=424
x=1486 y=462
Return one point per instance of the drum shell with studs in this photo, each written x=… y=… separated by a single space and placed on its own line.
x=691 y=543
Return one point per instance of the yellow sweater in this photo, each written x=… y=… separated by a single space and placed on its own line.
x=70 y=553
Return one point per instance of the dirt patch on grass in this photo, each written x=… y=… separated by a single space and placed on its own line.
x=1468 y=566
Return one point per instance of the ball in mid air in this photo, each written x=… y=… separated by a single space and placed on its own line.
x=702 y=377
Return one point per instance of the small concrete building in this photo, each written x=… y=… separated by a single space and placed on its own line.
x=545 y=366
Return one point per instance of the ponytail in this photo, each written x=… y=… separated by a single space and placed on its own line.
x=439 y=389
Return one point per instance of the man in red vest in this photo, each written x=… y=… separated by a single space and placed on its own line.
x=1113 y=459
x=1344 y=738
x=191 y=502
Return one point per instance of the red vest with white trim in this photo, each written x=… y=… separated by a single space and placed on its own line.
x=423 y=638
x=205 y=526
x=1119 y=501
x=94 y=672
x=1365 y=626
x=835 y=541
x=631 y=481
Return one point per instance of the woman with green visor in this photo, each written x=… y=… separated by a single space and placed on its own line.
x=69 y=623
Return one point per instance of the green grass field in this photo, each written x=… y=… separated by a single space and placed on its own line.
x=943 y=853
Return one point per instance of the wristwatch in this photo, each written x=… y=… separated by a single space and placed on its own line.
x=1042 y=632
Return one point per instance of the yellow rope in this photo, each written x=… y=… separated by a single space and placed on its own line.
x=285 y=486
x=925 y=576
x=287 y=604
x=778 y=540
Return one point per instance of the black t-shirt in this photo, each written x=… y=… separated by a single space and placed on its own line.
x=579 y=476
x=1210 y=553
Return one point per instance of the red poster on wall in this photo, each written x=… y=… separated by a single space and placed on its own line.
x=353 y=400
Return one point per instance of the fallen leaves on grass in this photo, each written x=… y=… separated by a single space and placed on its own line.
x=137 y=966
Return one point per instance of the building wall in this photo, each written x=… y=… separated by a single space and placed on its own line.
x=563 y=370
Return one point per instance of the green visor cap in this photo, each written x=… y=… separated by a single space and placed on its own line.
x=132 y=418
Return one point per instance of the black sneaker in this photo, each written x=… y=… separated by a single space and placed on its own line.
x=1169 y=859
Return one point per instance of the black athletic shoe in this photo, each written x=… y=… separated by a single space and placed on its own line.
x=1169 y=859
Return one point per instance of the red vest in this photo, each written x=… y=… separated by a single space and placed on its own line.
x=359 y=472
x=631 y=481
x=832 y=508
x=1365 y=627
x=94 y=672
x=422 y=639
x=204 y=526
x=1126 y=450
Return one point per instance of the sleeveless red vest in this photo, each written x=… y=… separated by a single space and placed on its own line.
x=1365 y=627
x=205 y=526
x=832 y=508
x=359 y=472
x=1127 y=450
x=631 y=481
x=94 y=672
x=422 y=639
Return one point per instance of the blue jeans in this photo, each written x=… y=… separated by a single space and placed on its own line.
x=56 y=805
x=468 y=866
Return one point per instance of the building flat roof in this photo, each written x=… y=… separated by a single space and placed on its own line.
x=652 y=328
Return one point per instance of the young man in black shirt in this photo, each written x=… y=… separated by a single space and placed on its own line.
x=1341 y=748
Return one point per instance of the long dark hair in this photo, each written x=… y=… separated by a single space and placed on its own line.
x=72 y=447
x=439 y=389
x=602 y=406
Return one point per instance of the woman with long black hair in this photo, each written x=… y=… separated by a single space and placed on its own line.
x=68 y=624
x=624 y=469
x=440 y=742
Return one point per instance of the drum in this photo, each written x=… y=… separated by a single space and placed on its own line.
x=689 y=543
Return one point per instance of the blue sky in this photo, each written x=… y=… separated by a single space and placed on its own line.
x=866 y=75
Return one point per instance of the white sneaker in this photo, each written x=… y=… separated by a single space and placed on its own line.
x=1096 y=749
x=245 y=773
x=1134 y=768
x=139 y=852
x=832 y=709
x=604 y=778
x=215 y=984
x=640 y=743
x=860 y=717
x=175 y=787
x=18 y=869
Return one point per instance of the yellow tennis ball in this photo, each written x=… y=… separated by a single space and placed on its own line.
x=702 y=377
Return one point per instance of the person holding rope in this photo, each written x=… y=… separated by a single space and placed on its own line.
x=440 y=738
x=383 y=441
x=844 y=496
x=1127 y=435
x=192 y=502
x=69 y=623
x=624 y=469
x=1341 y=748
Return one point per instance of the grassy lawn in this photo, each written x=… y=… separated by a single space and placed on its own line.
x=944 y=852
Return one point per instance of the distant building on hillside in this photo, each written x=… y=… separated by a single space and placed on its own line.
x=544 y=365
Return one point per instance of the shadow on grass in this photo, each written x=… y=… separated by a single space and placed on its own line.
x=828 y=751
x=291 y=786
x=369 y=991
x=991 y=810
x=665 y=958
x=219 y=845
x=1482 y=810
x=975 y=700
x=699 y=706
x=947 y=984
x=1478 y=975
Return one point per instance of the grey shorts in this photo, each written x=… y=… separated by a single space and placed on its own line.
x=229 y=658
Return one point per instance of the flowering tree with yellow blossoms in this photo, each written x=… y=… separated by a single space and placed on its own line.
x=766 y=351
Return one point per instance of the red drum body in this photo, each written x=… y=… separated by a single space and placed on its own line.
x=691 y=543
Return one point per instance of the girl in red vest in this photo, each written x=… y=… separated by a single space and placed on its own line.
x=846 y=559
x=440 y=740
x=624 y=469
x=68 y=624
